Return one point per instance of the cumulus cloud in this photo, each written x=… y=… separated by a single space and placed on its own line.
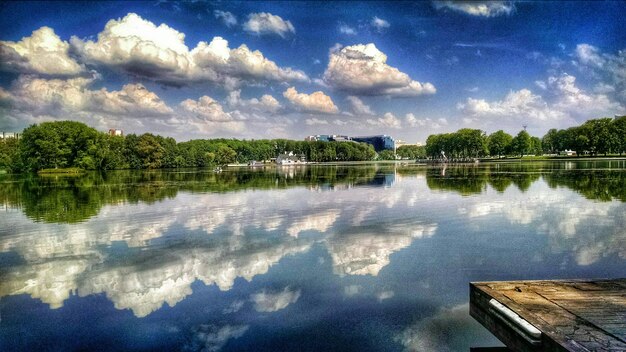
x=359 y=107
x=478 y=8
x=206 y=108
x=208 y=115
x=265 y=23
x=241 y=63
x=267 y=103
x=516 y=104
x=315 y=102
x=265 y=301
x=363 y=70
x=226 y=17
x=140 y=48
x=58 y=96
x=388 y=120
x=561 y=99
x=379 y=23
x=41 y=53
x=413 y=121
x=570 y=98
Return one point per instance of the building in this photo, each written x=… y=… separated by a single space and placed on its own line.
x=327 y=138
x=380 y=142
x=7 y=135
x=116 y=132
x=290 y=159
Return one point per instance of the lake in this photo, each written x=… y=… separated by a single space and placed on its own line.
x=373 y=257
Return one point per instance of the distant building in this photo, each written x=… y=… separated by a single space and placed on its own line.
x=380 y=142
x=327 y=138
x=116 y=132
x=290 y=159
x=568 y=152
x=7 y=135
x=400 y=143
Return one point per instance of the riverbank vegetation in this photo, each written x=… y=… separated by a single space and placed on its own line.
x=594 y=137
x=69 y=144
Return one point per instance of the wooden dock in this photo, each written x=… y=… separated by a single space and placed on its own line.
x=567 y=315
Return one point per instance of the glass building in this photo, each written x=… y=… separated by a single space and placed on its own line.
x=380 y=143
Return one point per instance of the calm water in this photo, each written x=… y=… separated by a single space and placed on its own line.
x=350 y=258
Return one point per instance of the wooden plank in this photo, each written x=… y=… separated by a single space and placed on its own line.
x=573 y=315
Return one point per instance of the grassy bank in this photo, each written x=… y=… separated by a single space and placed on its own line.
x=61 y=171
x=555 y=158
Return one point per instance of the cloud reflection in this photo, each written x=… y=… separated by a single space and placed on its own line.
x=143 y=256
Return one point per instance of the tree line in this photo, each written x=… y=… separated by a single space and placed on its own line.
x=65 y=144
x=594 y=137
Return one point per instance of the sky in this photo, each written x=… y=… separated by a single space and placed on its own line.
x=258 y=70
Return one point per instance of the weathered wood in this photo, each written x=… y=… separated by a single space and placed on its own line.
x=572 y=315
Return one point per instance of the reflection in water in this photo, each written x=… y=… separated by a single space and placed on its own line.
x=451 y=329
x=308 y=246
x=270 y=302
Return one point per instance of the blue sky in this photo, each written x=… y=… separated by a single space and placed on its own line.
x=291 y=69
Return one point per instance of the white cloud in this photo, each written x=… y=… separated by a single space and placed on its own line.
x=315 y=121
x=42 y=53
x=429 y=123
x=240 y=63
x=272 y=302
x=451 y=329
x=226 y=17
x=345 y=29
x=478 y=8
x=267 y=103
x=609 y=68
x=315 y=102
x=388 y=120
x=206 y=108
x=385 y=295
x=541 y=84
x=57 y=97
x=379 y=23
x=358 y=107
x=266 y=23
x=234 y=307
x=362 y=69
x=138 y=47
x=516 y=104
x=207 y=115
x=563 y=100
x=589 y=55
x=212 y=338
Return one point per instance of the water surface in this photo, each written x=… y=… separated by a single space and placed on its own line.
x=351 y=258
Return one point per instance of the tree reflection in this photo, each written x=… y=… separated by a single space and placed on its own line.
x=72 y=199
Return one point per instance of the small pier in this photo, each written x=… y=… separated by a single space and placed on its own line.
x=557 y=315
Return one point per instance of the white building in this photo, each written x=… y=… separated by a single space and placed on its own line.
x=290 y=159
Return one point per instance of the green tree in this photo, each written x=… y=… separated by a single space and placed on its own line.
x=150 y=151
x=386 y=155
x=499 y=142
x=225 y=155
x=549 y=141
x=521 y=143
x=619 y=132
